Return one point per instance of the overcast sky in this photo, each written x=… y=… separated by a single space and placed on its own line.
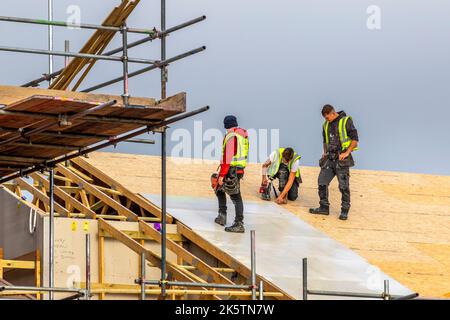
x=274 y=64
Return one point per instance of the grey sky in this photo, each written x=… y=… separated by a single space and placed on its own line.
x=275 y=63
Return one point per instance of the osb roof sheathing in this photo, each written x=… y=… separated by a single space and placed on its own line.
x=399 y=222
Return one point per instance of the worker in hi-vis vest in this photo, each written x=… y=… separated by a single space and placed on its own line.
x=283 y=164
x=234 y=160
x=340 y=139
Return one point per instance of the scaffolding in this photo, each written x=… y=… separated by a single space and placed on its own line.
x=49 y=165
x=385 y=295
x=160 y=126
x=164 y=286
x=92 y=182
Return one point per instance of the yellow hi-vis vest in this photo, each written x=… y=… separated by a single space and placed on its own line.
x=240 y=159
x=343 y=136
x=275 y=165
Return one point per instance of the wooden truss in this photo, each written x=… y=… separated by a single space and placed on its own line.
x=83 y=191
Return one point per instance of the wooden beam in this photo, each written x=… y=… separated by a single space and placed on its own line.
x=153 y=258
x=80 y=174
x=1 y=268
x=67 y=184
x=12 y=94
x=136 y=235
x=132 y=289
x=101 y=263
x=29 y=203
x=41 y=196
x=150 y=219
x=225 y=258
x=140 y=263
x=110 y=217
x=108 y=190
x=223 y=270
x=26 y=261
x=44 y=146
x=37 y=271
x=140 y=201
x=70 y=189
x=61 y=178
x=46 y=205
x=89 y=118
x=128 y=204
x=96 y=206
x=17 y=264
x=91 y=200
x=65 y=196
x=18 y=191
x=117 y=198
x=96 y=44
x=97 y=193
x=27 y=160
x=142 y=211
x=211 y=274
x=115 y=286
x=84 y=198
x=104 y=209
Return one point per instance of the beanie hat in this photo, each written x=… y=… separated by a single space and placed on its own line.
x=230 y=122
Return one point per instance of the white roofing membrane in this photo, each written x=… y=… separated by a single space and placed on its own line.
x=282 y=241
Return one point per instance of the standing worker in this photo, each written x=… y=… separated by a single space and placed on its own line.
x=283 y=164
x=234 y=160
x=340 y=138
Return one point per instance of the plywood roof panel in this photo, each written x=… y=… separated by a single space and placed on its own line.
x=399 y=222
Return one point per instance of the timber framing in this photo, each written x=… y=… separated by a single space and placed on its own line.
x=85 y=192
x=43 y=130
x=46 y=130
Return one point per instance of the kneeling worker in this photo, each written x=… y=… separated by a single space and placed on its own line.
x=234 y=160
x=283 y=164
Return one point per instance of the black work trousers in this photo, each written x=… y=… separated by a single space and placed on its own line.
x=329 y=170
x=283 y=177
x=235 y=198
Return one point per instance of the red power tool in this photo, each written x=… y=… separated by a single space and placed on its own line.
x=215 y=181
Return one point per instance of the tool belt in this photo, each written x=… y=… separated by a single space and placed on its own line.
x=347 y=162
x=231 y=184
x=333 y=158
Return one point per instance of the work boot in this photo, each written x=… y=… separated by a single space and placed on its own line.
x=221 y=219
x=321 y=210
x=344 y=215
x=237 y=227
